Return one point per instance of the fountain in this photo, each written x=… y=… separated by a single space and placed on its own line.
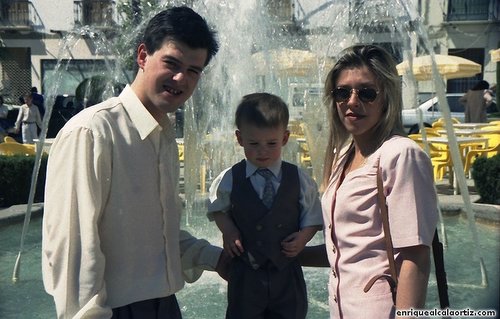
x=249 y=61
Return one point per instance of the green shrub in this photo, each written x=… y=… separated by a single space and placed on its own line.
x=15 y=179
x=486 y=175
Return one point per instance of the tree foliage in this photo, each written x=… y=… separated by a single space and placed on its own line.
x=485 y=172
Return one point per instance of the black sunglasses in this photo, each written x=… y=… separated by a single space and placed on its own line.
x=342 y=94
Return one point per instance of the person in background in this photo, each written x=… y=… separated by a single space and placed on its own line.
x=267 y=211
x=4 y=124
x=493 y=108
x=38 y=100
x=4 y=112
x=366 y=138
x=112 y=246
x=28 y=120
x=476 y=101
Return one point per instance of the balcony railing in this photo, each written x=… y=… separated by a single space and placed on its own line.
x=471 y=10
x=16 y=15
x=95 y=13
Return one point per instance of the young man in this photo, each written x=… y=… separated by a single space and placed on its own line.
x=28 y=120
x=112 y=244
x=267 y=210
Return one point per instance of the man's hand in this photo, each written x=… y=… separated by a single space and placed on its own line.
x=223 y=265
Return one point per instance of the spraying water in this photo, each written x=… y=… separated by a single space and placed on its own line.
x=248 y=61
x=68 y=43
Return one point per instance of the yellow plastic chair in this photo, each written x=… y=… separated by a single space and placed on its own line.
x=9 y=139
x=305 y=156
x=431 y=131
x=181 y=152
x=439 y=154
x=296 y=129
x=490 y=132
x=435 y=151
x=441 y=162
x=438 y=125
x=492 y=150
x=490 y=127
x=16 y=149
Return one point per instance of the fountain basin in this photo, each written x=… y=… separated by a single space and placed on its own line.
x=27 y=298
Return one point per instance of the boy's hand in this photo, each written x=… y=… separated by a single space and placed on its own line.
x=293 y=244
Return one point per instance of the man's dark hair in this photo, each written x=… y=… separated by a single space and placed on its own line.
x=262 y=110
x=481 y=85
x=180 y=24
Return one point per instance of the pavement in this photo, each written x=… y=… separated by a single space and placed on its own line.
x=450 y=204
x=16 y=213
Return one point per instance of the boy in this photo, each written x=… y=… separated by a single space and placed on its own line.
x=266 y=280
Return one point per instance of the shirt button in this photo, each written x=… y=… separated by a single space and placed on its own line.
x=330 y=226
x=334 y=250
x=258 y=227
x=334 y=273
x=335 y=298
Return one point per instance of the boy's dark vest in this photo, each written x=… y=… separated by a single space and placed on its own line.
x=263 y=229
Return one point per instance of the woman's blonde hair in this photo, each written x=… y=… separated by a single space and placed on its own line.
x=383 y=66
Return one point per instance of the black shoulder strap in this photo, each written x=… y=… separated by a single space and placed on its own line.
x=437 y=249
x=442 y=284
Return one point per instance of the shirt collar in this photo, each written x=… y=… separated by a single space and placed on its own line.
x=274 y=168
x=139 y=115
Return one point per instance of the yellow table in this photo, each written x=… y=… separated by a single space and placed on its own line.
x=471 y=125
x=471 y=132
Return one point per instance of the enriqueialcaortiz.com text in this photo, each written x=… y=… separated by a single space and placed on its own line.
x=481 y=313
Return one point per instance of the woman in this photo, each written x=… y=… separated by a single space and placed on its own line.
x=363 y=96
x=476 y=101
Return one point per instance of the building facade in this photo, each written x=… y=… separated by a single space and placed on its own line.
x=31 y=32
x=465 y=28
